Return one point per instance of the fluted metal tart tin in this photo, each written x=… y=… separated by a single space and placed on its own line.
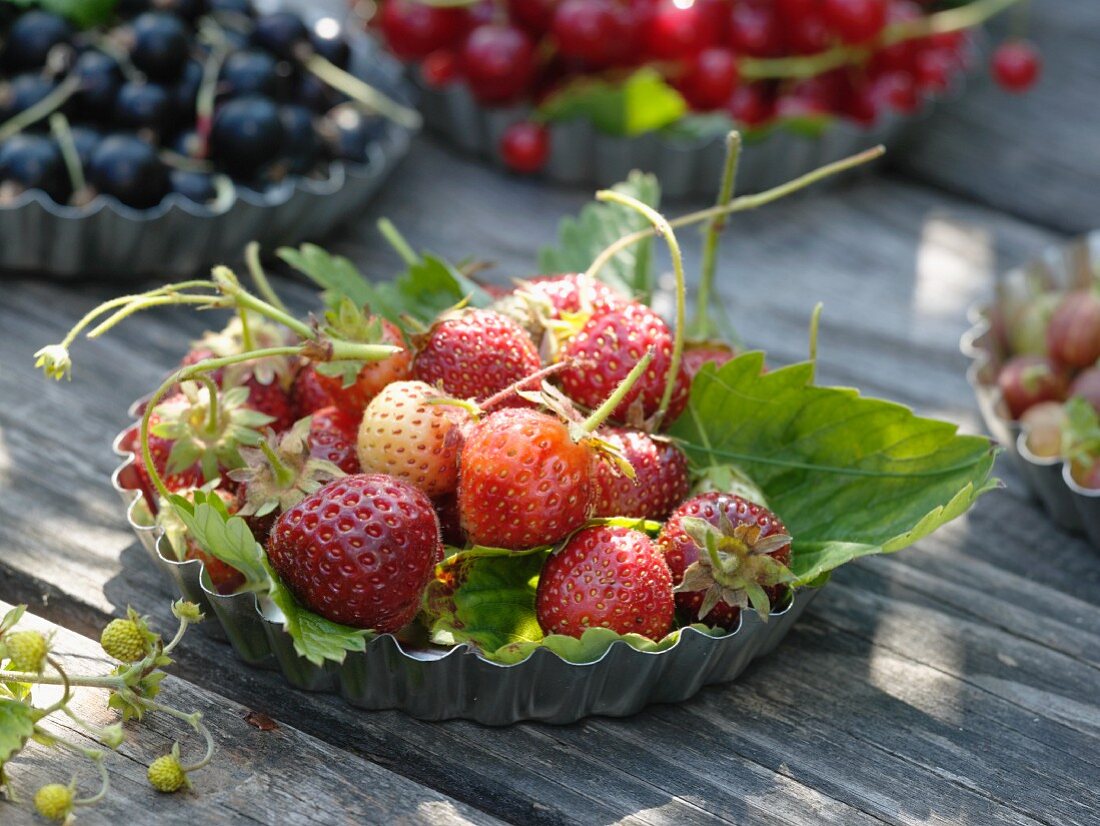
x=180 y=237
x=436 y=683
x=580 y=154
x=1071 y=506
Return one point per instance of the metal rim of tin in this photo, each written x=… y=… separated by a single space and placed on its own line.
x=179 y=236
x=458 y=682
x=1072 y=507
x=581 y=155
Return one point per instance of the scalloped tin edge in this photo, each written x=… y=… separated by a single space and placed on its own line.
x=178 y=237
x=1072 y=507
x=439 y=683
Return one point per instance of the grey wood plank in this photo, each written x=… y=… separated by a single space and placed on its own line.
x=280 y=776
x=1035 y=155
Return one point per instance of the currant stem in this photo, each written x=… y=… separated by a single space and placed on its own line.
x=259 y=277
x=63 y=134
x=661 y=226
x=361 y=91
x=601 y=413
x=398 y=242
x=743 y=203
x=701 y=328
x=44 y=108
x=804 y=66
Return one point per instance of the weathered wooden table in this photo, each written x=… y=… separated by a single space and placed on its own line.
x=958 y=681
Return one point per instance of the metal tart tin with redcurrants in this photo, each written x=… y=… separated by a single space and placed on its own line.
x=113 y=176
x=1022 y=385
x=582 y=91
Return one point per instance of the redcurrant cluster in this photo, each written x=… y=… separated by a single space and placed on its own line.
x=750 y=59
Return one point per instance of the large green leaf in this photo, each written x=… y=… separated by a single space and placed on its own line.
x=16 y=727
x=422 y=292
x=850 y=476
x=641 y=103
x=84 y=13
x=582 y=238
x=227 y=538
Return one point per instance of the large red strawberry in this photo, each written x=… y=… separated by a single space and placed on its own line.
x=474 y=354
x=308 y=393
x=660 y=480
x=602 y=353
x=359 y=551
x=406 y=436
x=524 y=480
x=332 y=437
x=570 y=293
x=747 y=566
x=606 y=577
x=353 y=396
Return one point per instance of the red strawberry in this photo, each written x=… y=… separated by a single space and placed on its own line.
x=224 y=577
x=271 y=400
x=748 y=567
x=606 y=577
x=523 y=480
x=612 y=341
x=571 y=293
x=373 y=376
x=402 y=434
x=308 y=392
x=161 y=449
x=359 y=551
x=661 y=477
x=473 y=354
x=332 y=437
x=696 y=356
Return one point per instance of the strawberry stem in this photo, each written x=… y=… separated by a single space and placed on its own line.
x=361 y=91
x=523 y=384
x=398 y=242
x=212 y=391
x=227 y=282
x=601 y=413
x=701 y=327
x=740 y=204
x=171 y=299
x=662 y=227
x=259 y=277
x=815 y=326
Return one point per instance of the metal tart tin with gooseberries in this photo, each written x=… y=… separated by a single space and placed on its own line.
x=436 y=683
x=1077 y=264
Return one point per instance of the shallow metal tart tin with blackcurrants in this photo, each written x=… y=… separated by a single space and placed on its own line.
x=1034 y=372
x=583 y=91
x=142 y=137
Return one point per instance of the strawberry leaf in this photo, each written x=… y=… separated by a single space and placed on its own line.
x=850 y=476
x=84 y=13
x=11 y=618
x=641 y=103
x=599 y=224
x=224 y=537
x=487 y=601
x=422 y=292
x=315 y=638
x=16 y=727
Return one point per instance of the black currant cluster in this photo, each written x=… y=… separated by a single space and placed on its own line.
x=175 y=96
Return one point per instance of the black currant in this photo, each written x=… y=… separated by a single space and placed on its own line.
x=329 y=41
x=316 y=94
x=195 y=186
x=348 y=132
x=31 y=38
x=141 y=105
x=241 y=7
x=281 y=33
x=185 y=92
x=85 y=140
x=128 y=169
x=22 y=92
x=301 y=143
x=100 y=79
x=160 y=45
x=246 y=136
x=249 y=72
x=34 y=162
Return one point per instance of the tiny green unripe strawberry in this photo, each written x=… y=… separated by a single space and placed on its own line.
x=54 y=801
x=123 y=640
x=166 y=774
x=26 y=650
x=187 y=611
